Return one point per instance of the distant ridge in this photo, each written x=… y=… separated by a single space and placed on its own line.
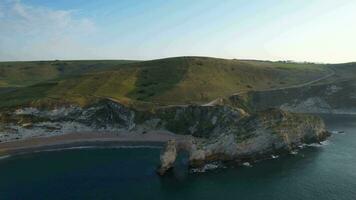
x=167 y=81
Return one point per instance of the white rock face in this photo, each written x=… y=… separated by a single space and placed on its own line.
x=27 y=111
x=203 y=149
x=54 y=113
x=315 y=105
x=310 y=105
x=255 y=137
x=105 y=116
x=168 y=157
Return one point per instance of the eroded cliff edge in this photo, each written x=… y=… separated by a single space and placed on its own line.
x=217 y=133
x=250 y=138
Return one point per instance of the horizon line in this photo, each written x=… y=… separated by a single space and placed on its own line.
x=181 y=56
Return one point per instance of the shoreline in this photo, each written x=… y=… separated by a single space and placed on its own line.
x=95 y=139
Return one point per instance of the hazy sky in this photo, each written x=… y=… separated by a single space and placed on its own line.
x=301 y=30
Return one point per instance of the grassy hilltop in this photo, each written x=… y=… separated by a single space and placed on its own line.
x=180 y=80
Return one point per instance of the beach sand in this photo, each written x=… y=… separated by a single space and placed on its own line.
x=87 y=139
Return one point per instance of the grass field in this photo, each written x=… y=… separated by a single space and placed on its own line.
x=180 y=80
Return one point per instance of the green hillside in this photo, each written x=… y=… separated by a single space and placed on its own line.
x=180 y=80
x=20 y=74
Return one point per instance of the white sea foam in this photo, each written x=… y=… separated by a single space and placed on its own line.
x=207 y=167
x=66 y=148
x=4 y=157
x=302 y=146
x=321 y=144
x=337 y=132
x=136 y=147
x=102 y=147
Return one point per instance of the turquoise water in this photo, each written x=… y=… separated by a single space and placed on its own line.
x=327 y=172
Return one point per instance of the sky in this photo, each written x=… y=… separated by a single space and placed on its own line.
x=300 y=30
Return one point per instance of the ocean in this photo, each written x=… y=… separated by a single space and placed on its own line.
x=325 y=172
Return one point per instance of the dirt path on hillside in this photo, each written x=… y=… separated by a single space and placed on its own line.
x=332 y=73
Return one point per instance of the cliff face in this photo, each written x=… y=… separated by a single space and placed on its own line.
x=198 y=121
x=28 y=122
x=256 y=137
x=168 y=157
x=219 y=133
x=332 y=98
x=266 y=133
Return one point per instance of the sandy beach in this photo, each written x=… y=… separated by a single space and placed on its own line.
x=86 y=139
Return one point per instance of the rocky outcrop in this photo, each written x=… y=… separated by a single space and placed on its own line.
x=218 y=133
x=255 y=137
x=332 y=98
x=198 y=121
x=168 y=157
x=105 y=116
x=269 y=132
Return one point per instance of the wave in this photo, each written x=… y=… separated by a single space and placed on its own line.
x=207 y=167
x=338 y=132
x=4 y=157
x=101 y=147
x=135 y=147
x=321 y=144
x=246 y=164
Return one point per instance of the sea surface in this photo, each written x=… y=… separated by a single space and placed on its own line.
x=325 y=172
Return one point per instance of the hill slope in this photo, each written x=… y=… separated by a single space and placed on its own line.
x=181 y=80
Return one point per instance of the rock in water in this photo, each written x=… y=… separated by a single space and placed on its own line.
x=168 y=157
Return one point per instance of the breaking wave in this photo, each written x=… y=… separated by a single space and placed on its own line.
x=4 y=157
